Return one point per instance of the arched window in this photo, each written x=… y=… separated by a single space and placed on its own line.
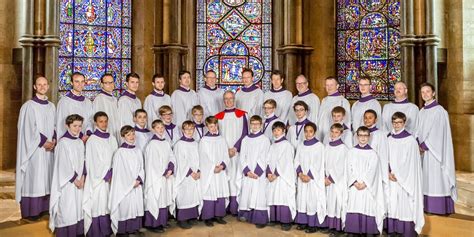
x=95 y=38
x=367 y=46
x=232 y=35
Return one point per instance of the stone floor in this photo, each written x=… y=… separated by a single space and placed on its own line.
x=9 y=209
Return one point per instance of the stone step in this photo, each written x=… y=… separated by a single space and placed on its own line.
x=465 y=202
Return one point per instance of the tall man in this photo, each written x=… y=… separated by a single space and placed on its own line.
x=233 y=126
x=183 y=99
x=279 y=94
x=35 y=144
x=329 y=102
x=305 y=95
x=106 y=102
x=156 y=99
x=249 y=97
x=128 y=102
x=210 y=96
x=75 y=103
x=366 y=101
x=400 y=104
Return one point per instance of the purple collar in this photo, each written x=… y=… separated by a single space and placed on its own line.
x=310 y=142
x=208 y=134
x=229 y=110
x=138 y=129
x=155 y=137
x=335 y=94
x=69 y=135
x=305 y=93
x=366 y=98
x=401 y=134
x=39 y=101
x=336 y=142
x=105 y=93
x=156 y=93
x=305 y=121
x=253 y=135
x=170 y=126
x=249 y=89
x=209 y=88
x=270 y=119
x=126 y=145
x=199 y=125
x=184 y=138
x=373 y=129
x=433 y=104
x=283 y=138
x=75 y=97
x=126 y=93
x=344 y=126
x=184 y=89
x=279 y=90
x=366 y=147
x=405 y=101
x=101 y=134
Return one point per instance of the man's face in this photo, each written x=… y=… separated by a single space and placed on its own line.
x=159 y=83
x=108 y=84
x=185 y=80
x=229 y=100
x=369 y=119
x=102 y=123
x=41 y=86
x=133 y=84
x=331 y=86
x=140 y=119
x=277 y=81
x=301 y=84
x=78 y=83
x=400 y=91
x=247 y=79
x=211 y=79
x=364 y=86
x=427 y=94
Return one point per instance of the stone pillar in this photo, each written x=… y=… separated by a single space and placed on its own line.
x=52 y=42
x=169 y=60
x=431 y=42
x=407 y=44
x=27 y=42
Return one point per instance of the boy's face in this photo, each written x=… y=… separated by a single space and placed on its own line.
x=108 y=84
x=278 y=132
x=300 y=112
x=335 y=133
x=398 y=124
x=309 y=132
x=75 y=128
x=159 y=129
x=140 y=119
x=268 y=109
x=133 y=84
x=188 y=131
x=130 y=137
x=197 y=116
x=369 y=119
x=167 y=117
x=363 y=137
x=337 y=118
x=159 y=83
x=102 y=123
x=213 y=128
x=255 y=126
x=185 y=80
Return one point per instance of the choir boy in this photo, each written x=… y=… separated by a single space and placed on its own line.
x=128 y=103
x=278 y=93
x=296 y=131
x=172 y=133
x=184 y=98
x=156 y=98
x=269 y=107
x=252 y=199
x=159 y=170
x=126 y=191
x=249 y=97
x=338 y=116
x=213 y=160
x=142 y=133
x=198 y=120
x=282 y=177
x=311 y=194
x=100 y=149
x=69 y=173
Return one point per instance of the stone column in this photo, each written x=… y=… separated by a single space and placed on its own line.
x=52 y=42
x=407 y=44
x=27 y=42
x=431 y=43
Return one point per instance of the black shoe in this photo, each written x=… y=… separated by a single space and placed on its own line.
x=324 y=231
x=301 y=227
x=167 y=226
x=159 y=229
x=208 y=223
x=260 y=226
x=286 y=227
x=33 y=218
x=184 y=225
x=220 y=220
x=192 y=221
x=311 y=230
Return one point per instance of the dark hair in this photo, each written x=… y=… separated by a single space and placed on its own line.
x=300 y=103
x=278 y=73
x=366 y=78
x=107 y=74
x=312 y=125
x=256 y=118
x=188 y=123
x=247 y=70
x=73 y=117
x=135 y=114
x=208 y=71
x=428 y=85
x=337 y=126
x=338 y=110
x=130 y=75
x=126 y=129
x=363 y=129
x=399 y=115
x=371 y=111
x=156 y=76
x=332 y=78
x=181 y=73
x=156 y=122
x=74 y=74
x=198 y=108
x=100 y=114
x=211 y=120
x=271 y=102
x=279 y=124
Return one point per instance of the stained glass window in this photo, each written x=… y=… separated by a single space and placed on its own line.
x=95 y=38
x=367 y=46
x=232 y=35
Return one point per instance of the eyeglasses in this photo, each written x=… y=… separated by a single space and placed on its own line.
x=299 y=110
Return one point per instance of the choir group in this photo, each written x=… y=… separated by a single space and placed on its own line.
x=111 y=166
